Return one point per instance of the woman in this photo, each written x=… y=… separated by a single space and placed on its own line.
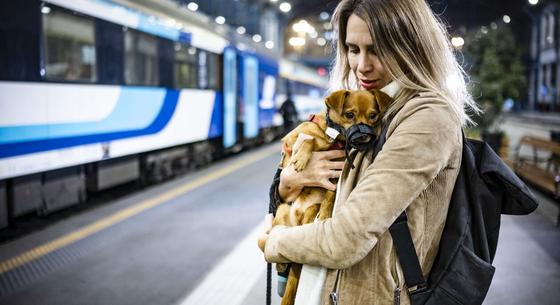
x=397 y=46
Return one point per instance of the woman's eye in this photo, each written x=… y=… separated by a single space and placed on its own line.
x=349 y=115
x=372 y=52
x=354 y=50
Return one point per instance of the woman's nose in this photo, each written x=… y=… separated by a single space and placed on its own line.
x=364 y=64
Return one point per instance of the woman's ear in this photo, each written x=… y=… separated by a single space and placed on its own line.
x=382 y=100
x=336 y=100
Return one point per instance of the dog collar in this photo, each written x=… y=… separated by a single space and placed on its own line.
x=333 y=129
x=331 y=133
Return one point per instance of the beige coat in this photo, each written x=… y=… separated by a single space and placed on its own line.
x=416 y=171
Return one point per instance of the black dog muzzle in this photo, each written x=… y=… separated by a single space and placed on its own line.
x=360 y=136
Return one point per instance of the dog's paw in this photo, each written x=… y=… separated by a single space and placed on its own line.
x=300 y=159
x=300 y=163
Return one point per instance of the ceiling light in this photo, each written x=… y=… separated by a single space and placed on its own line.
x=297 y=41
x=269 y=44
x=220 y=20
x=457 y=42
x=285 y=7
x=506 y=19
x=192 y=6
x=257 y=38
x=241 y=30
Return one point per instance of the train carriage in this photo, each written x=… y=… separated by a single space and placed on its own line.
x=97 y=93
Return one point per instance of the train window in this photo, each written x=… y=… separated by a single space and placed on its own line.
x=69 y=47
x=209 y=71
x=141 y=59
x=185 y=66
x=215 y=68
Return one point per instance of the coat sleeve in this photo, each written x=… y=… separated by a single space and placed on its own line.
x=417 y=149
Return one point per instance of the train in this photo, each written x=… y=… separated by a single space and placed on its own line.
x=100 y=93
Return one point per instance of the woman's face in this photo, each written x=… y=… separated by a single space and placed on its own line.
x=363 y=61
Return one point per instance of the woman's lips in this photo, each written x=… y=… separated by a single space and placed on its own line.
x=369 y=84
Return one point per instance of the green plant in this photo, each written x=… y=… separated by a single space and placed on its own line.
x=497 y=72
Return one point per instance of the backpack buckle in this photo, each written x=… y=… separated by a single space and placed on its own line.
x=417 y=289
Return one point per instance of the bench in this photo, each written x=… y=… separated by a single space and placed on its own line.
x=541 y=169
x=541 y=166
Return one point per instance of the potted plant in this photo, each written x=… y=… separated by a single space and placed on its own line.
x=497 y=73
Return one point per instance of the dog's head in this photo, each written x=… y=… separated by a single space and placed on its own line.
x=347 y=108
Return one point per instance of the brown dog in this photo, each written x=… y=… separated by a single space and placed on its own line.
x=345 y=108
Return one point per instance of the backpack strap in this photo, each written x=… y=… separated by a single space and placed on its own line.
x=404 y=246
x=402 y=239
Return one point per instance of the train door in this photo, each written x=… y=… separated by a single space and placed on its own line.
x=250 y=94
x=230 y=98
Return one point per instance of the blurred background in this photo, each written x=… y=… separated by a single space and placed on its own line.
x=138 y=140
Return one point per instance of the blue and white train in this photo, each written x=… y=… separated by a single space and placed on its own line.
x=96 y=93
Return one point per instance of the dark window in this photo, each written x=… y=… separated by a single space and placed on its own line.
x=185 y=67
x=68 y=46
x=110 y=52
x=166 y=54
x=19 y=40
x=209 y=70
x=141 y=59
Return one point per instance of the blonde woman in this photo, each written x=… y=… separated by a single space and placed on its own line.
x=400 y=47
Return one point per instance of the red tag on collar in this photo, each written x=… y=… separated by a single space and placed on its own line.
x=315 y=119
x=338 y=145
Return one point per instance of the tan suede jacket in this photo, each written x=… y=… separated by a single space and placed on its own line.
x=416 y=171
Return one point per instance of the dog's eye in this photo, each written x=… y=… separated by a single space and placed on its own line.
x=349 y=115
x=373 y=116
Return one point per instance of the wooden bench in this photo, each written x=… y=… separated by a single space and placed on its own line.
x=541 y=168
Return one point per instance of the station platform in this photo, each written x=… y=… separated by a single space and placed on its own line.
x=193 y=241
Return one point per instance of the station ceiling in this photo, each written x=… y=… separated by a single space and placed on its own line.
x=457 y=13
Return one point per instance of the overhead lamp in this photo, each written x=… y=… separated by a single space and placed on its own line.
x=303 y=26
x=192 y=6
x=506 y=19
x=457 y=42
x=533 y=2
x=241 y=30
x=321 y=41
x=45 y=10
x=324 y=15
x=257 y=38
x=269 y=44
x=285 y=7
x=220 y=20
x=297 y=41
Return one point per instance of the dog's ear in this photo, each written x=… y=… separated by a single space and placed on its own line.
x=382 y=99
x=336 y=100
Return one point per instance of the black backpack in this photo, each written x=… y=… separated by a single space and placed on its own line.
x=462 y=272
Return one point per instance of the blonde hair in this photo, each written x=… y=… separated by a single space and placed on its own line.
x=414 y=48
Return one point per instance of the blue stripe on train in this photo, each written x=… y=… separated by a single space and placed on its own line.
x=217 y=123
x=167 y=110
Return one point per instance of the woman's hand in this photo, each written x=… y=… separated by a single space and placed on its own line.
x=266 y=230
x=318 y=172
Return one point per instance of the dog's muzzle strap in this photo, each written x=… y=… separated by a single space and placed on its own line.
x=360 y=137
